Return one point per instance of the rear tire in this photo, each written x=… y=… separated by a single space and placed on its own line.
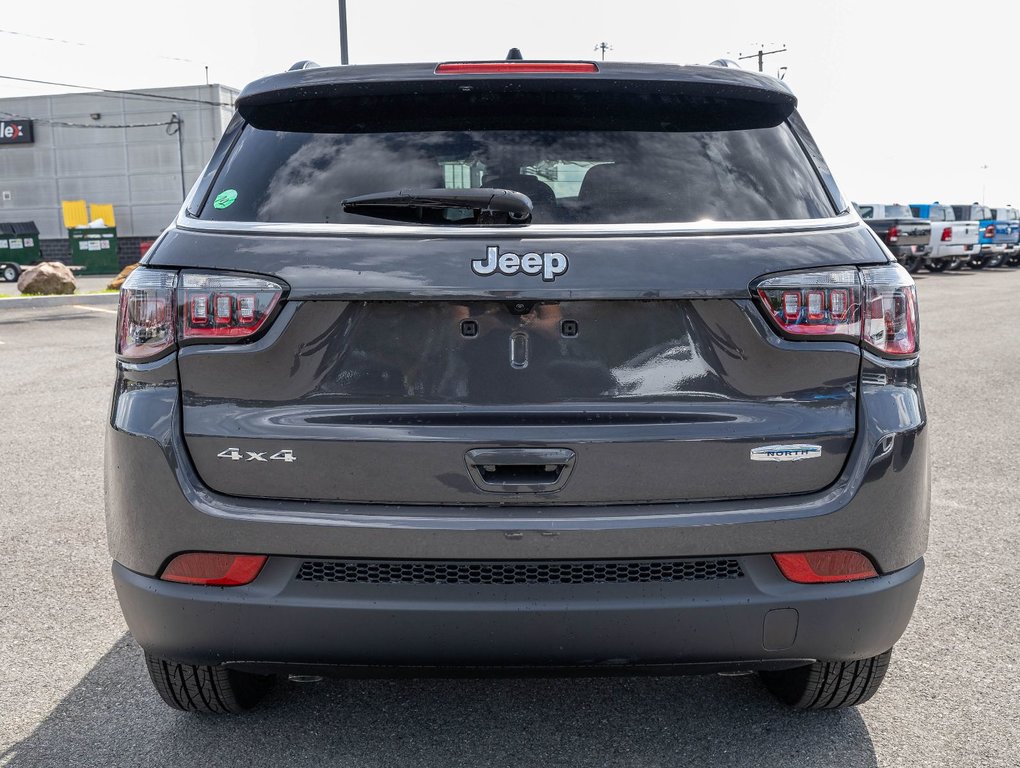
x=939 y=265
x=10 y=273
x=913 y=263
x=216 y=690
x=977 y=262
x=829 y=684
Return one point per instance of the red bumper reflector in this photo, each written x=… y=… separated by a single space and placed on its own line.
x=214 y=569
x=516 y=67
x=825 y=566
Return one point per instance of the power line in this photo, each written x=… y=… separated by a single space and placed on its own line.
x=124 y=94
x=89 y=45
x=67 y=124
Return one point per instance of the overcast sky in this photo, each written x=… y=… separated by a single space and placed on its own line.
x=907 y=106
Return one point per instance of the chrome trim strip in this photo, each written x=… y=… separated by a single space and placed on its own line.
x=843 y=221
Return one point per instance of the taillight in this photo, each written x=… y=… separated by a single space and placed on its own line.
x=890 y=310
x=814 y=303
x=206 y=306
x=825 y=567
x=224 y=306
x=146 y=322
x=516 y=67
x=214 y=569
x=990 y=231
x=947 y=234
x=875 y=306
x=894 y=234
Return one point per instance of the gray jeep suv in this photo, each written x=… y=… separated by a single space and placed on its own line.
x=486 y=366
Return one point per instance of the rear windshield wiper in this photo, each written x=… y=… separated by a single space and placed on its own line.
x=428 y=206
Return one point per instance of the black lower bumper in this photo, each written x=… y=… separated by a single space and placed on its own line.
x=759 y=620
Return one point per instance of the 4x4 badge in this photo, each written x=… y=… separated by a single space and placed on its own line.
x=548 y=265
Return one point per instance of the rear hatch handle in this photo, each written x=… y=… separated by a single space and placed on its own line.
x=520 y=470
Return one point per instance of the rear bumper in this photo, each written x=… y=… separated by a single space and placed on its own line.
x=757 y=621
x=951 y=250
x=904 y=252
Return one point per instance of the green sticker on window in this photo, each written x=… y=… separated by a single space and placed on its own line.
x=225 y=199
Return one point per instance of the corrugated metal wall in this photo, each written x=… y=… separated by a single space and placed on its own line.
x=135 y=169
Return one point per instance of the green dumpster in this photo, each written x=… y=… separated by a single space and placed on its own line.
x=95 y=248
x=19 y=243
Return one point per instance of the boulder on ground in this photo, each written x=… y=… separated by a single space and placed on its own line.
x=118 y=281
x=48 y=277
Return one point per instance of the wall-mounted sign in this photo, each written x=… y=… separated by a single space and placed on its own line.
x=16 y=132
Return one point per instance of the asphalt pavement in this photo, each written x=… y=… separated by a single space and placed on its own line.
x=73 y=691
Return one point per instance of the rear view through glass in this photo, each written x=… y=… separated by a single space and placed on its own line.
x=571 y=177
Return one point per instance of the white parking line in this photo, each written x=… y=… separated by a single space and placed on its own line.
x=95 y=309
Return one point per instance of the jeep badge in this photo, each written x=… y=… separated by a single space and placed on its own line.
x=549 y=265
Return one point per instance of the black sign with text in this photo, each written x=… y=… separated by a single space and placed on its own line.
x=16 y=132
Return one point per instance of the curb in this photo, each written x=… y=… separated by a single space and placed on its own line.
x=36 y=302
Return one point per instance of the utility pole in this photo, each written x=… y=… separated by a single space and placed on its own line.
x=762 y=53
x=176 y=126
x=343 y=32
x=603 y=46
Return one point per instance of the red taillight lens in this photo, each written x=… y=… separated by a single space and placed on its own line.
x=947 y=234
x=207 y=306
x=516 y=67
x=146 y=321
x=826 y=566
x=839 y=303
x=890 y=310
x=814 y=303
x=214 y=569
x=894 y=234
x=225 y=306
x=876 y=306
x=990 y=231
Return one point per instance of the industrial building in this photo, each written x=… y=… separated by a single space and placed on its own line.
x=107 y=148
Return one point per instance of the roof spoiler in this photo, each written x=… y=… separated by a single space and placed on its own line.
x=421 y=97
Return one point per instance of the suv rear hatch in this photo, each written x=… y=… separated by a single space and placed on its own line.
x=608 y=352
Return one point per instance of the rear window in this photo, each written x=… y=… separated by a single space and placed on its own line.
x=935 y=213
x=898 y=212
x=972 y=212
x=572 y=177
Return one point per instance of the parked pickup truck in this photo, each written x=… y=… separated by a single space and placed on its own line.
x=953 y=243
x=994 y=234
x=1013 y=246
x=907 y=236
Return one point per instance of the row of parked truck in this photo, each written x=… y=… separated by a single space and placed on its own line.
x=940 y=237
